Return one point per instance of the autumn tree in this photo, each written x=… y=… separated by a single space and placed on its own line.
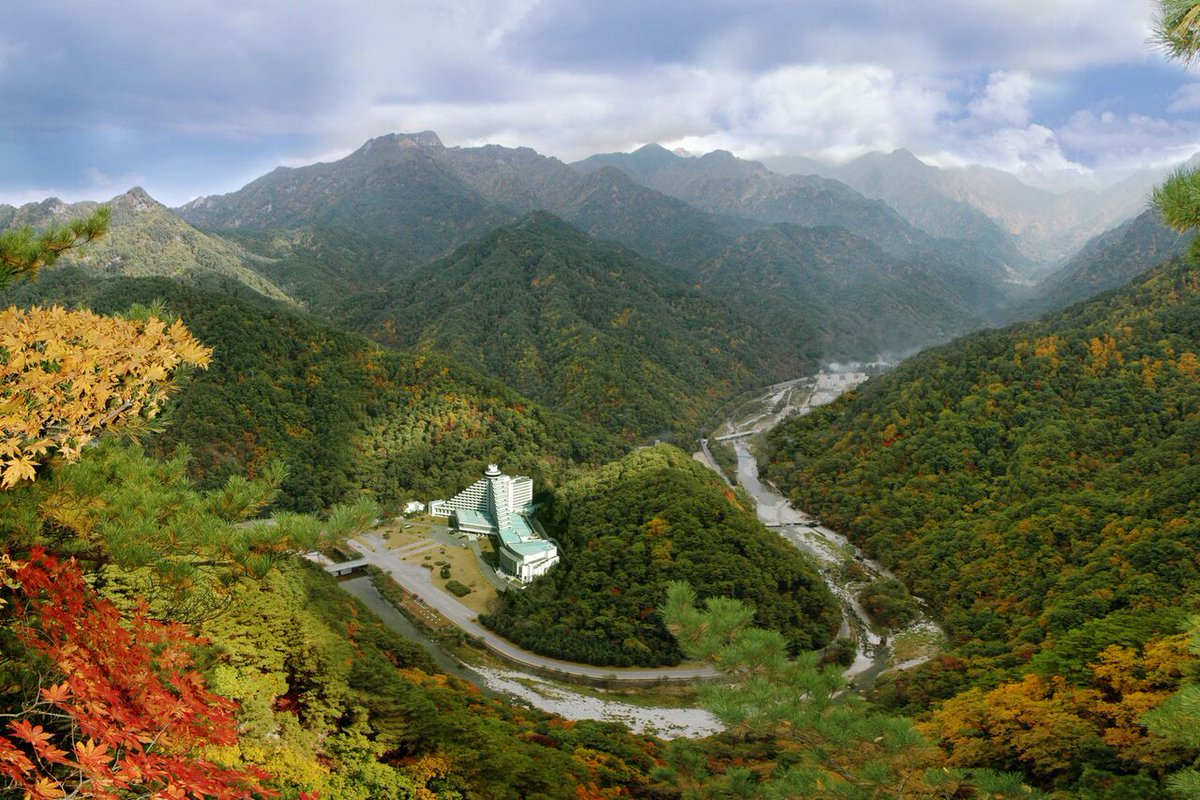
x=114 y=707
x=1178 y=721
x=102 y=698
x=67 y=376
x=807 y=736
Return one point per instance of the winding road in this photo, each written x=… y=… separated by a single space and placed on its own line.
x=419 y=581
x=774 y=510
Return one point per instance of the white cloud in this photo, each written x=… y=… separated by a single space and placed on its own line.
x=1186 y=98
x=1032 y=151
x=288 y=82
x=1005 y=100
x=834 y=112
x=1125 y=141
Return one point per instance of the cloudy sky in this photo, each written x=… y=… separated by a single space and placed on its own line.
x=193 y=97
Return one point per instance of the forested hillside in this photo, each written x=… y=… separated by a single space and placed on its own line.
x=403 y=200
x=590 y=329
x=721 y=183
x=1038 y=486
x=1110 y=260
x=626 y=531
x=329 y=700
x=834 y=295
x=146 y=238
x=342 y=413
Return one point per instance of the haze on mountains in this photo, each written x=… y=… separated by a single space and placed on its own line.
x=756 y=275
x=381 y=327
x=972 y=202
x=587 y=345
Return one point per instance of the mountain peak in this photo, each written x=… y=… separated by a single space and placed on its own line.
x=719 y=155
x=421 y=139
x=654 y=148
x=137 y=199
x=654 y=154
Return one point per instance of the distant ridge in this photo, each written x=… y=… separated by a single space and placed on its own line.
x=588 y=328
x=1046 y=227
x=720 y=183
x=402 y=200
x=146 y=238
x=1110 y=260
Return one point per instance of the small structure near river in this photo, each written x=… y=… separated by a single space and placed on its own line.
x=499 y=505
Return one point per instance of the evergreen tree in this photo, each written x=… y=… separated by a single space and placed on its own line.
x=24 y=251
x=1177 y=31
x=802 y=733
x=1178 y=721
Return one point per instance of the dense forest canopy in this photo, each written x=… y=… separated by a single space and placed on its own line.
x=342 y=413
x=590 y=329
x=1037 y=486
x=114 y=562
x=628 y=529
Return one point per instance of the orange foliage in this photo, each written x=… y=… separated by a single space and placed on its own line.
x=1041 y=725
x=1032 y=724
x=424 y=769
x=122 y=712
x=1047 y=347
x=65 y=376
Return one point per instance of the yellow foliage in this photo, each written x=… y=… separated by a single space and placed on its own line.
x=1188 y=364
x=424 y=769
x=1047 y=347
x=1105 y=354
x=1033 y=722
x=1150 y=369
x=66 y=376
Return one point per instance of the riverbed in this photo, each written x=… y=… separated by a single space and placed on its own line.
x=546 y=695
x=831 y=551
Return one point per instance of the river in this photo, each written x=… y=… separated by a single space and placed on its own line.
x=832 y=551
x=667 y=723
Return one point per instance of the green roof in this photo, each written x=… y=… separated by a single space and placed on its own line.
x=532 y=548
x=470 y=517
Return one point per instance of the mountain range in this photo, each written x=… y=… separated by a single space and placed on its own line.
x=633 y=290
x=149 y=239
x=593 y=329
x=1045 y=227
x=389 y=323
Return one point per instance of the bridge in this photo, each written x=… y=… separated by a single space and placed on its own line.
x=346 y=567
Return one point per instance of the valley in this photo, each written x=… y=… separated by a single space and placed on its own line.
x=547 y=695
x=844 y=567
x=832 y=552
x=978 y=519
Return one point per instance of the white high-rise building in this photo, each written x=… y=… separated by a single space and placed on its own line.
x=498 y=505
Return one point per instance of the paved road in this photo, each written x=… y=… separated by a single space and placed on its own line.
x=419 y=581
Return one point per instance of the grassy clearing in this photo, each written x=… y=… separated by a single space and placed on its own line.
x=923 y=641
